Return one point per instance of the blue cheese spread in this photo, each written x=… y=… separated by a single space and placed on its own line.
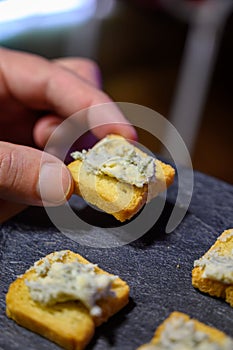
x=216 y=265
x=118 y=158
x=58 y=281
x=226 y=237
x=179 y=334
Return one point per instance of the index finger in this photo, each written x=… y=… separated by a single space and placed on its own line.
x=40 y=84
x=85 y=68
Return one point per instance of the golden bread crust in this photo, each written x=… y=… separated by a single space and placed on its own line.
x=68 y=324
x=215 y=335
x=213 y=287
x=120 y=199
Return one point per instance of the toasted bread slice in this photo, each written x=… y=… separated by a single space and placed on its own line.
x=70 y=323
x=121 y=199
x=181 y=332
x=213 y=273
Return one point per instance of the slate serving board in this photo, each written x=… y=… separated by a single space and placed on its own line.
x=157 y=267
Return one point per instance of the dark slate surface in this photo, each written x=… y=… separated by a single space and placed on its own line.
x=157 y=267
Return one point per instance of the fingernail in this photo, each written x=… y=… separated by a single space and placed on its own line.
x=55 y=183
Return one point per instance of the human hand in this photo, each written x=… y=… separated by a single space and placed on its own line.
x=36 y=96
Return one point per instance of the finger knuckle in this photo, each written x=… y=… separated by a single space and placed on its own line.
x=90 y=63
x=9 y=173
x=91 y=67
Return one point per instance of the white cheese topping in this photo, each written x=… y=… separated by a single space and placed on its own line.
x=216 y=266
x=179 y=334
x=118 y=158
x=59 y=282
x=226 y=237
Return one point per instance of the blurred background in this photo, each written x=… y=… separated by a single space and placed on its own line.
x=174 y=56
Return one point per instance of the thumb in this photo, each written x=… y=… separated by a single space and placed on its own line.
x=32 y=177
